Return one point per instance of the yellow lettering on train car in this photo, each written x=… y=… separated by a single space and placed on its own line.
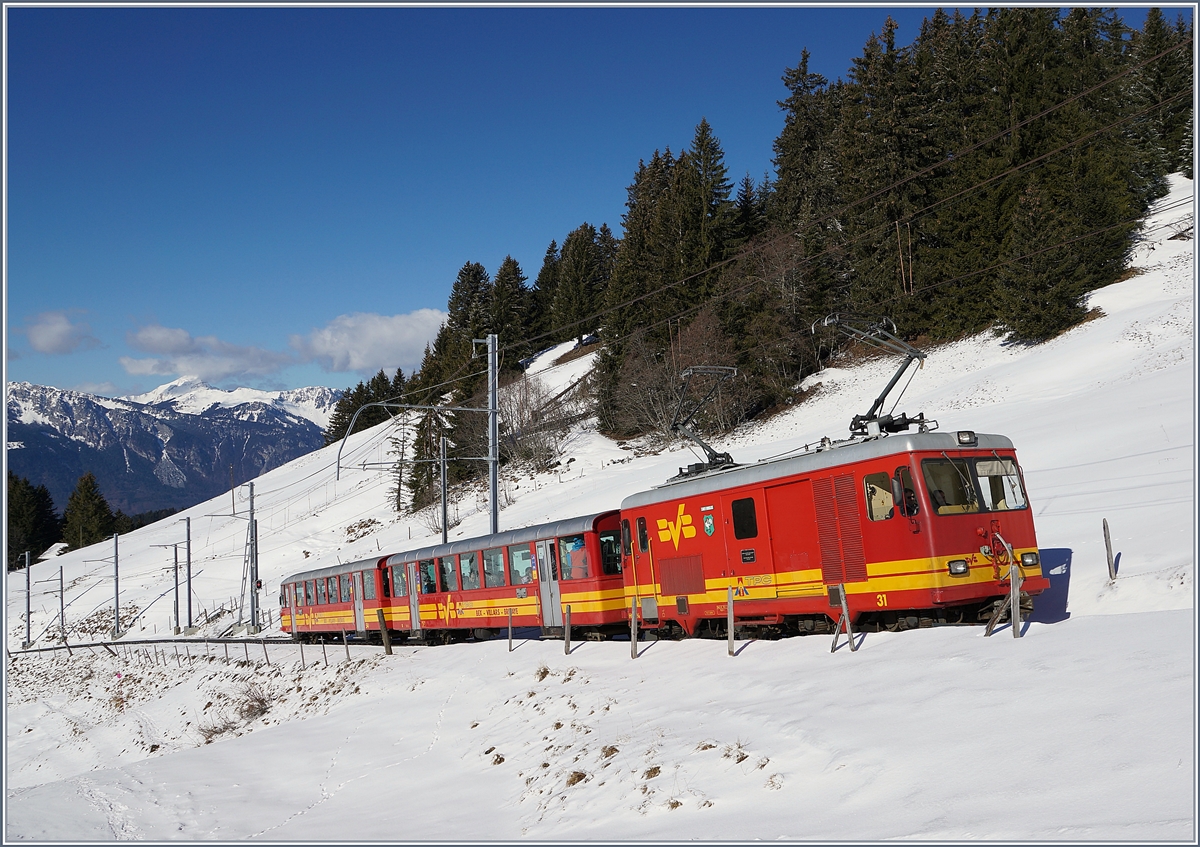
x=881 y=600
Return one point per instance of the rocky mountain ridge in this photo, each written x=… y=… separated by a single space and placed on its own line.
x=169 y=448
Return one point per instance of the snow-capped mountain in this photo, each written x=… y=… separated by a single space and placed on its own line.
x=192 y=396
x=172 y=447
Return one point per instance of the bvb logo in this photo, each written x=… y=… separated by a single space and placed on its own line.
x=672 y=530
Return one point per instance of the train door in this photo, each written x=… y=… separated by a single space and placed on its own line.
x=356 y=583
x=414 y=597
x=794 y=548
x=547 y=556
x=747 y=546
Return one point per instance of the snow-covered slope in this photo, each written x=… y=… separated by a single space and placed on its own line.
x=1082 y=730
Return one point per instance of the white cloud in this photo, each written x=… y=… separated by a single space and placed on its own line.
x=54 y=333
x=206 y=356
x=367 y=342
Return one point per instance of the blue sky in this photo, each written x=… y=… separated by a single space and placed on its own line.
x=277 y=197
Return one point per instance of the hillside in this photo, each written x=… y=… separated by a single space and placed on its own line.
x=1082 y=730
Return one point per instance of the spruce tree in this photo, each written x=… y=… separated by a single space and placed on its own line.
x=509 y=310
x=87 y=518
x=32 y=523
x=541 y=298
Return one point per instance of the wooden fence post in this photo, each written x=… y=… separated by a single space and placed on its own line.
x=383 y=631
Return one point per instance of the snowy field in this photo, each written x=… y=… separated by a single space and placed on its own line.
x=1083 y=730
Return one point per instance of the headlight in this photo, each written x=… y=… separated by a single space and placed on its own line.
x=1029 y=560
x=958 y=567
x=966 y=437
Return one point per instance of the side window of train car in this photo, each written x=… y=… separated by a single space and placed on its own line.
x=909 y=506
x=428 y=572
x=333 y=589
x=879 y=496
x=610 y=552
x=346 y=595
x=643 y=536
x=520 y=563
x=745 y=519
x=400 y=580
x=493 y=567
x=308 y=592
x=468 y=563
x=368 y=585
x=573 y=557
x=385 y=579
x=626 y=538
x=950 y=488
x=999 y=484
x=448 y=573
x=321 y=592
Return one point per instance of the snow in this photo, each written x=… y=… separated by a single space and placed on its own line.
x=1082 y=730
x=191 y=395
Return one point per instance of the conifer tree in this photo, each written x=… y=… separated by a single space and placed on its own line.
x=88 y=517
x=580 y=283
x=542 y=297
x=32 y=523
x=510 y=310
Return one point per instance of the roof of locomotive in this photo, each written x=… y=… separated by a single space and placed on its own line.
x=825 y=456
x=554 y=529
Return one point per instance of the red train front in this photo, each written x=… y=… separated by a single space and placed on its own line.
x=919 y=528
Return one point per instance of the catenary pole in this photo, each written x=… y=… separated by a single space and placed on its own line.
x=445 y=510
x=175 y=548
x=188 y=524
x=494 y=428
x=116 y=591
x=28 y=591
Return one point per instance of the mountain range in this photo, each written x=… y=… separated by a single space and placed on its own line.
x=172 y=447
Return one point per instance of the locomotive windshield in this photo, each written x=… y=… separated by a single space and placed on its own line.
x=963 y=486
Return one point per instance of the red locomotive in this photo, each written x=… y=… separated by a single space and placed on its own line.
x=918 y=528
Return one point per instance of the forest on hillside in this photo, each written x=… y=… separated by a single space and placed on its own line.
x=986 y=176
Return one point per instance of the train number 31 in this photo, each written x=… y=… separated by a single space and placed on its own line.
x=881 y=600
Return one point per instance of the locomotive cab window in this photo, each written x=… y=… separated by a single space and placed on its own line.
x=626 y=538
x=909 y=505
x=610 y=553
x=368 y=585
x=745 y=520
x=573 y=558
x=950 y=489
x=999 y=484
x=643 y=536
x=878 y=487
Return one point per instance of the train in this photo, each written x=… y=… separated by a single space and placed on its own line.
x=894 y=530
